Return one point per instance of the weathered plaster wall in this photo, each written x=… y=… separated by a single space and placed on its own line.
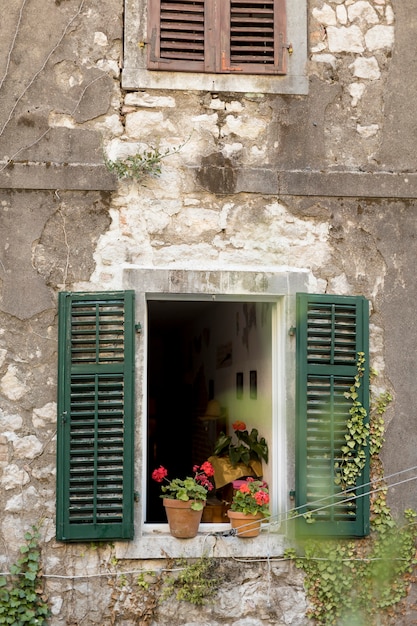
x=324 y=183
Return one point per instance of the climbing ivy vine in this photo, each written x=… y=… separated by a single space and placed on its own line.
x=353 y=454
x=22 y=598
x=352 y=583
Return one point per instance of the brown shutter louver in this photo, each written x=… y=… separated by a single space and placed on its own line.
x=231 y=36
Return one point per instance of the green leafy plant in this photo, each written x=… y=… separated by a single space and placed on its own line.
x=247 y=448
x=353 y=455
x=196 y=582
x=190 y=488
x=351 y=583
x=251 y=497
x=22 y=598
x=354 y=583
x=142 y=164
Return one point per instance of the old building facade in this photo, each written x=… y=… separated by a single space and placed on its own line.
x=301 y=180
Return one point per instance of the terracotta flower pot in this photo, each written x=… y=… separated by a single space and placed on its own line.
x=246 y=525
x=182 y=519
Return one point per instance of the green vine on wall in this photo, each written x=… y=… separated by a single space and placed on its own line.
x=22 y=597
x=352 y=583
x=353 y=455
x=195 y=582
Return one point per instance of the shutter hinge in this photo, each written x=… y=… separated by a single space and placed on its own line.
x=136 y=496
x=138 y=328
x=292 y=494
x=288 y=46
x=291 y=332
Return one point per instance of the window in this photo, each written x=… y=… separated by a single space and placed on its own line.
x=95 y=455
x=247 y=46
x=246 y=37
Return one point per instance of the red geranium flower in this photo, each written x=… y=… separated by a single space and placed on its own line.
x=207 y=468
x=261 y=497
x=238 y=425
x=159 y=474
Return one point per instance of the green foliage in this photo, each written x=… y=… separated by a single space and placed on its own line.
x=22 y=600
x=377 y=426
x=353 y=455
x=187 y=489
x=196 y=583
x=140 y=165
x=247 y=449
x=351 y=583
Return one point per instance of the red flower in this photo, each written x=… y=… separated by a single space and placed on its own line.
x=244 y=488
x=238 y=425
x=207 y=468
x=159 y=474
x=261 y=497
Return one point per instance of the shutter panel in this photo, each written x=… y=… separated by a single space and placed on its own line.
x=95 y=416
x=176 y=35
x=331 y=330
x=257 y=36
x=231 y=36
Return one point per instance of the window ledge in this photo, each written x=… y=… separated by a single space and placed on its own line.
x=140 y=78
x=159 y=544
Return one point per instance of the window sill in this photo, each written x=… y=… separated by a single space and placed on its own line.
x=157 y=543
x=138 y=78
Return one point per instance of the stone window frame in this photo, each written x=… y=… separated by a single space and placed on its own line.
x=279 y=287
x=135 y=74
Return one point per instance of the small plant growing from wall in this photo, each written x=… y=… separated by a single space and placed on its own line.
x=22 y=598
x=142 y=164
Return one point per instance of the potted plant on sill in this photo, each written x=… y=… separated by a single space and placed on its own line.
x=238 y=455
x=250 y=504
x=184 y=499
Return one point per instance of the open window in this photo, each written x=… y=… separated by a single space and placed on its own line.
x=224 y=336
x=209 y=364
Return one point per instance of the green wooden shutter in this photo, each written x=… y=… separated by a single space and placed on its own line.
x=331 y=330
x=95 y=416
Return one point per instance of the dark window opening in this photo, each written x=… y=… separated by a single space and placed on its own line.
x=195 y=350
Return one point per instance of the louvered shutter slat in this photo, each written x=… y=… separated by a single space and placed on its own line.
x=95 y=435
x=331 y=330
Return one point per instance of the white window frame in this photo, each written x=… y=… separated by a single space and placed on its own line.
x=135 y=74
x=153 y=541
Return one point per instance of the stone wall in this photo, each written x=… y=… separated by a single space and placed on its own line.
x=323 y=183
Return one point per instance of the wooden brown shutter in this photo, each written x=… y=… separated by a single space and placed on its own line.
x=256 y=37
x=176 y=35
x=218 y=36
